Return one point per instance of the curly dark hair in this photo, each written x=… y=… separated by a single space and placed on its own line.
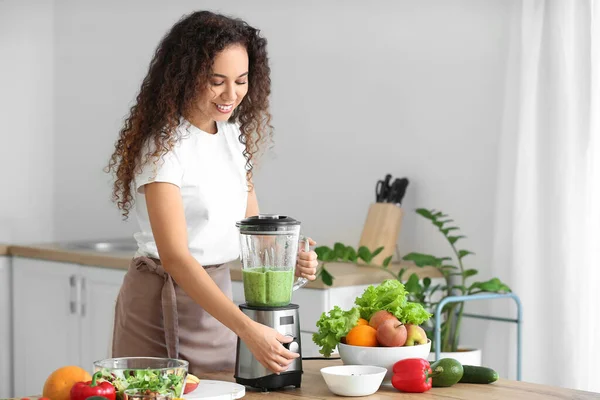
x=177 y=74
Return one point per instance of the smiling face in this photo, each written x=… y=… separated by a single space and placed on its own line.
x=226 y=88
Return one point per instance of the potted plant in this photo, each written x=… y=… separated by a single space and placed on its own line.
x=455 y=282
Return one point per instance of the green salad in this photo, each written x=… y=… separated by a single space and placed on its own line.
x=156 y=381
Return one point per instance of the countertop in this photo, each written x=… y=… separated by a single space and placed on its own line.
x=314 y=387
x=345 y=274
x=3 y=250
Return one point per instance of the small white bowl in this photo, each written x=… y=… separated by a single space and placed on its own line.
x=384 y=357
x=353 y=380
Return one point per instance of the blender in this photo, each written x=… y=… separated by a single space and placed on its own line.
x=268 y=251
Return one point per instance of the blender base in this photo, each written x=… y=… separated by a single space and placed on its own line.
x=273 y=382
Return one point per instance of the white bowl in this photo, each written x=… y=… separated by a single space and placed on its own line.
x=353 y=380
x=384 y=357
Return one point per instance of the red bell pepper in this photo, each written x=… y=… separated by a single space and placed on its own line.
x=412 y=375
x=83 y=390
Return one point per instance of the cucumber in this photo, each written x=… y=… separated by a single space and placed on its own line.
x=474 y=374
x=446 y=372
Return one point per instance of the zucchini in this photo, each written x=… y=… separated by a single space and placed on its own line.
x=474 y=374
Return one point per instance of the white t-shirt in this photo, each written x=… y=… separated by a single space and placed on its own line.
x=210 y=171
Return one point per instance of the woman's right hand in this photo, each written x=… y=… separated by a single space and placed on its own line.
x=265 y=343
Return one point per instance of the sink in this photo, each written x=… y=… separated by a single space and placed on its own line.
x=125 y=245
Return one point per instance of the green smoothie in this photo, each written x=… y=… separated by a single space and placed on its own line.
x=267 y=286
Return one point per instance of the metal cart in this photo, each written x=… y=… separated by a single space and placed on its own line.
x=478 y=297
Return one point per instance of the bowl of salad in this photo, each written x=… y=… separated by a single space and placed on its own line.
x=160 y=376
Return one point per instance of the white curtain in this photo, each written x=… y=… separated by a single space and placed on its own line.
x=547 y=243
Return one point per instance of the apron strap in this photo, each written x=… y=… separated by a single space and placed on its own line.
x=168 y=303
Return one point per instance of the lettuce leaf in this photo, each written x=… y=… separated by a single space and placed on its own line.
x=413 y=313
x=390 y=295
x=333 y=327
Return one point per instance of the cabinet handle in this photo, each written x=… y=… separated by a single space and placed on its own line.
x=83 y=297
x=73 y=302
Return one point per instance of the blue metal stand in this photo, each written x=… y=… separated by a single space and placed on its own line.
x=476 y=297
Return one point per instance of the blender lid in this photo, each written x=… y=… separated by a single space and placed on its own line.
x=267 y=221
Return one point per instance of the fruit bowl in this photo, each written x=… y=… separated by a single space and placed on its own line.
x=160 y=375
x=384 y=357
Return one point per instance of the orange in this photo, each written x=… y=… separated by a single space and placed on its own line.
x=58 y=385
x=361 y=335
x=362 y=321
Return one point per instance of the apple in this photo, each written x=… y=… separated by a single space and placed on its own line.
x=380 y=316
x=415 y=335
x=391 y=333
x=191 y=383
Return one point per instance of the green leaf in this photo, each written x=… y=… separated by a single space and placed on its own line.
x=426 y=283
x=414 y=313
x=424 y=213
x=390 y=295
x=422 y=260
x=494 y=285
x=454 y=239
x=464 y=253
x=339 y=249
x=400 y=273
x=445 y=221
x=350 y=254
x=326 y=277
x=412 y=285
x=365 y=254
x=332 y=327
x=450 y=228
x=387 y=261
x=321 y=251
x=376 y=252
x=469 y=272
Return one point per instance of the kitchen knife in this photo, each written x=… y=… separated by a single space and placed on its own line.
x=398 y=191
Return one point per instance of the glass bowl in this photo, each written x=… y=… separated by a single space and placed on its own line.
x=161 y=376
x=147 y=394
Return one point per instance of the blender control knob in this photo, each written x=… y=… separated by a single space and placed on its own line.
x=293 y=347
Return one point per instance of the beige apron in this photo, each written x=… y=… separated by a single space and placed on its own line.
x=155 y=318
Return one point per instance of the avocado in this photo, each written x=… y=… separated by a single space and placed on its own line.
x=474 y=374
x=446 y=372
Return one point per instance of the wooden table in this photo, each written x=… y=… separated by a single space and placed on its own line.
x=314 y=387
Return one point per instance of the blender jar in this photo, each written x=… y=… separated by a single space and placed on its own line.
x=268 y=251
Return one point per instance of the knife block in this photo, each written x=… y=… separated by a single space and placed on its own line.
x=381 y=228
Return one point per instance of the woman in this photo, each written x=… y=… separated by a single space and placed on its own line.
x=185 y=157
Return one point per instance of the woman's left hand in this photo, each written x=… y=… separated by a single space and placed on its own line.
x=306 y=266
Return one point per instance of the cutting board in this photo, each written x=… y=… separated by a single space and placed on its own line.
x=216 y=390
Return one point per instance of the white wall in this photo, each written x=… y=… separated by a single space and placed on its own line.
x=410 y=88
x=26 y=120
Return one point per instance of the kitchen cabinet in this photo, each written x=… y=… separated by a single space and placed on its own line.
x=5 y=329
x=312 y=303
x=62 y=316
x=99 y=290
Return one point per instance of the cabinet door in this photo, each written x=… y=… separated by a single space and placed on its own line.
x=99 y=290
x=46 y=324
x=5 y=330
